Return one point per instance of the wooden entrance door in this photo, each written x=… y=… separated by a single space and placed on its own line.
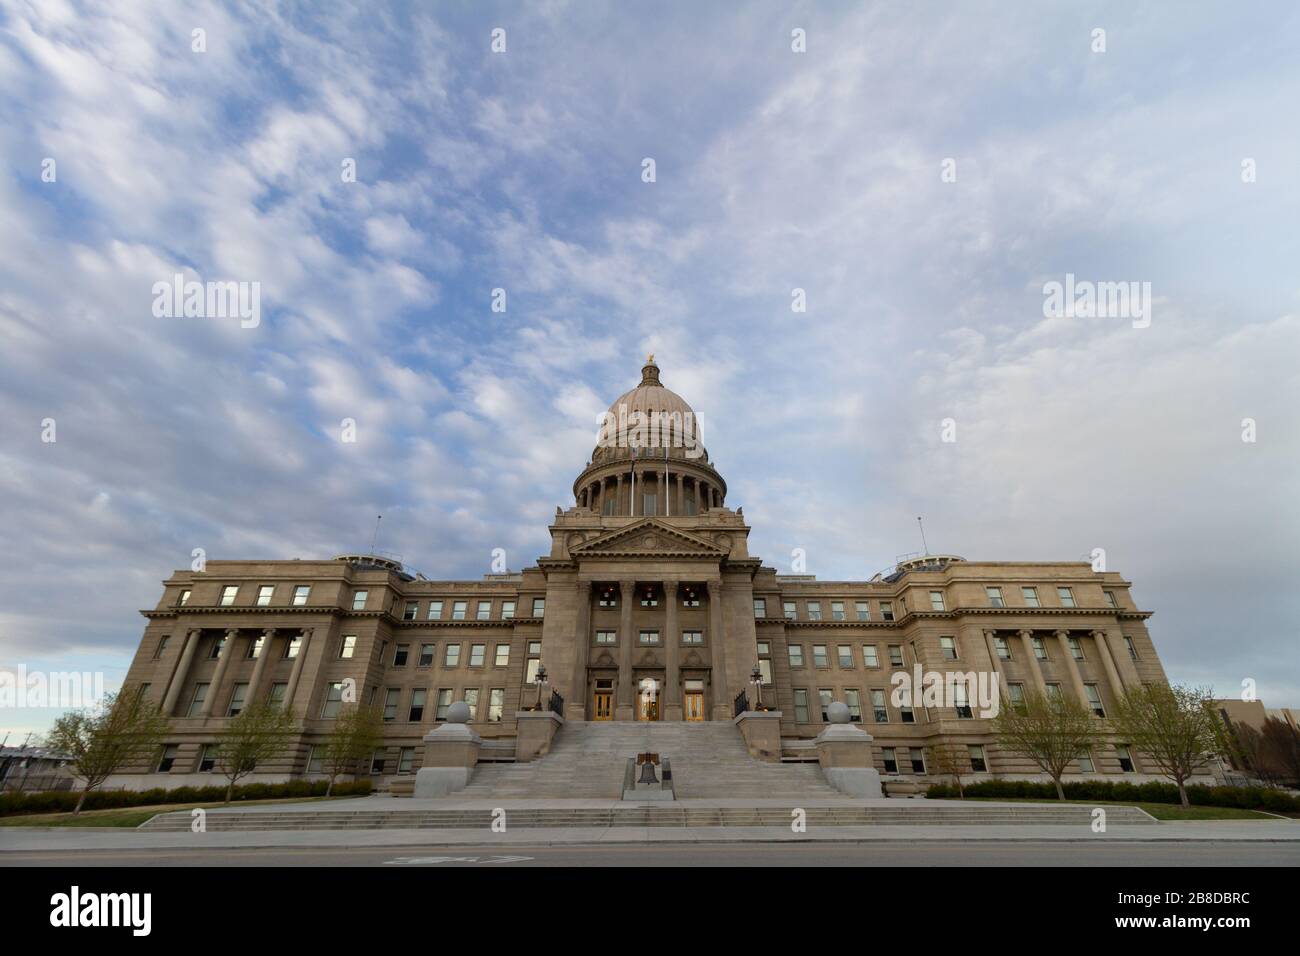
x=604 y=709
x=647 y=700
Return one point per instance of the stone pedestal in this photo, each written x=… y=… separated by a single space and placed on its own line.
x=845 y=755
x=535 y=729
x=762 y=732
x=450 y=753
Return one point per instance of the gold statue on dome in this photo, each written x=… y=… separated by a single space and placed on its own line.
x=650 y=359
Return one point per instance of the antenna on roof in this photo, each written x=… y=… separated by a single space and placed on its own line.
x=375 y=536
x=921 y=525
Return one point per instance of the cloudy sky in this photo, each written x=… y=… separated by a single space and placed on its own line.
x=1170 y=158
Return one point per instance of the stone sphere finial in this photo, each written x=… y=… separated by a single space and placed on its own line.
x=838 y=712
x=458 y=713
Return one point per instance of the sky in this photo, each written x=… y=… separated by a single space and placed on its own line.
x=920 y=171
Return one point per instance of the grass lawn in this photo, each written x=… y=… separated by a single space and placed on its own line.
x=131 y=816
x=1161 y=811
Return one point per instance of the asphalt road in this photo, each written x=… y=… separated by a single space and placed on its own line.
x=693 y=854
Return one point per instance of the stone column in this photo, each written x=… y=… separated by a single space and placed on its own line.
x=268 y=636
x=1035 y=669
x=1063 y=638
x=182 y=671
x=718 y=647
x=993 y=656
x=577 y=703
x=672 y=696
x=1123 y=663
x=296 y=674
x=626 y=595
x=681 y=493
x=1108 y=662
x=223 y=662
x=701 y=495
x=618 y=496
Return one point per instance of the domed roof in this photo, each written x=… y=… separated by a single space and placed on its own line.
x=664 y=418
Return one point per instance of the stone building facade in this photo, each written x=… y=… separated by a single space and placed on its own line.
x=649 y=606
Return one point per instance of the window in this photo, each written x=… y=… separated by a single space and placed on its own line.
x=405 y=759
x=765 y=671
x=444 y=701
x=377 y=761
x=977 y=762
x=936 y=601
x=255 y=647
x=530 y=672
x=886 y=611
x=185 y=598
x=1132 y=648
x=800 y=705
x=316 y=759
x=917 y=756
x=1094 y=699
x=168 y=759
x=844 y=655
x=1003 y=648
x=863 y=610
x=507 y=610
x=435 y=611
x=452 y=658
x=196 y=701
x=348 y=647
x=208 y=758
x=228 y=594
x=416 y=713
x=276 y=697
x=995 y=597
x=1110 y=599
x=764 y=649
x=237 y=695
x=879 y=712
x=891 y=759
x=906 y=716
x=870 y=656
x=796 y=655
x=391 y=698
x=1066 y=596
x=333 y=699
x=539 y=607
x=400 y=654
x=837 y=610
x=608 y=597
x=960 y=701
x=760 y=607
x=649 y=598
x=690 y=597
x=788 y=608
x=1016 y=694
x=1125 y=758
x=471 y=701
x=292 y=647
x=484 y=611
x=1076 y=651
x=1030 y=595
x=692 y=637
x=264 y=594
x=458 y=610
x=895 y=655
x=649 y=637
x=359 y=600
x=300 y=594
x=1085 y=763
x=1053 y=691
x=649 y=503
x=854 y=700
x=949 y=647
x=826 y=698
x=496 y=703
x=162 y=646
x=477 y=654
x=426 y=656
x=1040 y=649
x=502 y=658
x=606 y=637
x=819 y=656
x=217 y=647
x=814 y=610
x=534 y=648
x=412 y=608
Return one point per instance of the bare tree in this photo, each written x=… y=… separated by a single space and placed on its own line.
x=950 y=760
x=1052 y=731
x=259 y=733
x=358 y=731
x=1279 y=748
x=1174 y=725
x=125 y=730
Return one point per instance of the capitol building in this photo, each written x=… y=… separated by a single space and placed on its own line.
x=648 y=610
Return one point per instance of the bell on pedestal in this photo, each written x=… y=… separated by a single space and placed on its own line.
x=648 y=773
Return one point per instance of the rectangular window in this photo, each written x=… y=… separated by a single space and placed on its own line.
x=886 y=611
x=1076 y=649
x=837 y=610
x=196 y=701
x=1125 y=758
x=814 y=610
x=890 y=756
x=1016 y=694
x=960 y=701
x=276 y=697
x=765 y=670
x=917 y=756
x=649 y=637
x=300 y=594
x=530 y=671
x=228 y=594
x=458 y=610
x=434 y=612
x=255 y=647
x=863 y=610
x=444 y=701
x=359 y=600
x=789 y=610
x=608 y=597
x=348 y=647
x=316 y=759
x=1110 y=599
x=1066 y=596
x=1040 y=649
x=539 y=607
x=507 y=610
x=906 y=716
x=496 y=703
x=534 y=648
x=477 y=654
x=692 y=637
x=471 y=701
x=606 y=637
x=292 y=647
x=844 y=655
x=426 y=656
x=895 y=655
x=217 y=647
x=1054 y=691
x=650 y=598
x=502 y=658
x=649 y=503
x=764 y=649
x=405 y=759
x=1085 y=763
x=825 y=697
x=994 y=596
x=168 y=759
x=854 y=701
x=870 y=656
x=690 y=597
x=185 y=598
x=1003 y=648
x=1132 y=648
x=377 y=761
x=400 y=654
x=879 y=712
x=333 y=699
x=796 y=655
x=936 y=601
x=416 y=713
x=237 y=695
x=819 y=656
x=1030 y=595
x=392 y=696
x=411 y=609
x=760 y=607
x=162 y=646
x=800 y=706
x=949 y=647
x=484 y=611
x=208 y=758
x=264 y=594
x=1094 y=699
x=452 y=659
x=977 y=762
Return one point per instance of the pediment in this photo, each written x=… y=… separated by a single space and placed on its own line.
x=648 y=538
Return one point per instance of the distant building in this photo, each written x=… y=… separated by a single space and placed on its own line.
x=34 y=768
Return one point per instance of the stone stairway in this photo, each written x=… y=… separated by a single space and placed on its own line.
x=708 y=760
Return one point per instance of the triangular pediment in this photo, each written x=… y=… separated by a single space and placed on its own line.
x=648 y=538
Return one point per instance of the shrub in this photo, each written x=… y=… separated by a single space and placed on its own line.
x=1155 y=791
x=64 y=801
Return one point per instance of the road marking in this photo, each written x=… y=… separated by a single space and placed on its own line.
x=435 y=860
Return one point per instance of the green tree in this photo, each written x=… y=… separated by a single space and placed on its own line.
x=124 y=730
x=1174 y=726
x=358 y=732
x=950 y=760
x=260 y=733
x=1052 y=731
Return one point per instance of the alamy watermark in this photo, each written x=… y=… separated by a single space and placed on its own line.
x=959 y=689
x=1084 y=299
x=20 y=687
x=179 y=298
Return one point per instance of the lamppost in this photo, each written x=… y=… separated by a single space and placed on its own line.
x=541 y=678
x=756 y=678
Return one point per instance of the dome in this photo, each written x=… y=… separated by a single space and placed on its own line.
x=650 y=417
